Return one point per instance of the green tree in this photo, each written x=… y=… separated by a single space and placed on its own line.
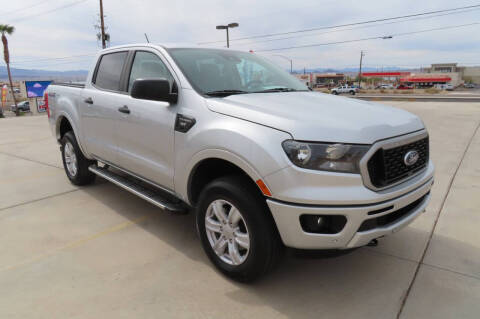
x=8 y=29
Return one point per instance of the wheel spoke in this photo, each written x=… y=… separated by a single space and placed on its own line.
x=242 y=239
x=227 y=232
x=233 y=253
x=234 y=216
x=70 y=159
x=219 y=212
x=212 y=225
x=220 y=246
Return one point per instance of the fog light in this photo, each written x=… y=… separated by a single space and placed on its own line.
x=323 y=224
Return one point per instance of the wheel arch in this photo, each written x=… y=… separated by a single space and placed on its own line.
x=212 y=164
x=63 y=124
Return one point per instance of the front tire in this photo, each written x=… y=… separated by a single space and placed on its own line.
x=352 y=92
x=236 y=229
x=335 y=93
x=75 y=164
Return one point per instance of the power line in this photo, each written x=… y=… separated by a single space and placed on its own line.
x=56 y=58
x=367 y=39
x=278 y=49
x=356 y=28
x=347 y=24
x=25 y=8
x=49 y=11
x=50 y=64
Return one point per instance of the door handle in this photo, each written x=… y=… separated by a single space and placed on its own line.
x=124 y=109
x=88 y=100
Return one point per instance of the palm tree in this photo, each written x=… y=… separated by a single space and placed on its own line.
x=8 y=29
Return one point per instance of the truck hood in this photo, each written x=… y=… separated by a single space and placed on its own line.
x=313 y=116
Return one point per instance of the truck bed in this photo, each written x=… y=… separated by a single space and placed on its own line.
x=75 y=85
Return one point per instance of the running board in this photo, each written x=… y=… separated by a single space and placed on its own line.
x=147 y=193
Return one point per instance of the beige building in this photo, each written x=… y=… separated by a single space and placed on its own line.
x=472 y=74
x=458 y=74
x=314 y=79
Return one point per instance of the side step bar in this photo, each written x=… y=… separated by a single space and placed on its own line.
x=147 y=193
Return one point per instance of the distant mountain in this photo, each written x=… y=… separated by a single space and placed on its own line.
x=25 y=74
x=349 y=70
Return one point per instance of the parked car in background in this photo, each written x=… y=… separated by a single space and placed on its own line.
x=444 y=86
x=385 y=86
x=22 y=107
x=344 y=89
x=404 y=87
x=469 y=85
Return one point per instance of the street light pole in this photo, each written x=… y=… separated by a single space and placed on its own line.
x=228 y=40
x=226 y=27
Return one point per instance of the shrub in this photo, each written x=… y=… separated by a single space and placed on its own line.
x=432 y=91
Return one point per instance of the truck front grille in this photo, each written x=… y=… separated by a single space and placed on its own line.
x=387 y=166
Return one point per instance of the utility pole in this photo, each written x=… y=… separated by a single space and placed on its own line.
x=288 y=59
x=362 y=54
x=102 y=25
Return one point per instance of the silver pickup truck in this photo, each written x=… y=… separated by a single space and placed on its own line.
x=262 y=161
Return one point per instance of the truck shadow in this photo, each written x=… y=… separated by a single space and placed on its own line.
x=361 y=283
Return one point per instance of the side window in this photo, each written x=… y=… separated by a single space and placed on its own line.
x=110 y=70
x=147 y=65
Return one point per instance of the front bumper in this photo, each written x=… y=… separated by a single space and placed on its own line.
x=287 y=219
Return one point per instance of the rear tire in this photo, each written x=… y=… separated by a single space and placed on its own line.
x=75 y=164
x=235 y=196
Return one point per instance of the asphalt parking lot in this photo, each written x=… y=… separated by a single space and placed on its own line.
x=100 y=252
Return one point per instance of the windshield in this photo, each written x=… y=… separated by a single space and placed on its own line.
x=220 y=72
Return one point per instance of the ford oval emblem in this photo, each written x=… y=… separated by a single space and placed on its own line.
x=411 y=157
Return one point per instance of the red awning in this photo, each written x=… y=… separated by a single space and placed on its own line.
x=426 y=79
x=385 y=74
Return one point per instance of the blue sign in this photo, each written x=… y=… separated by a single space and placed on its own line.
x=36 y=88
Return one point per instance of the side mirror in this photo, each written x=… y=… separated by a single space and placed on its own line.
x=154 y=90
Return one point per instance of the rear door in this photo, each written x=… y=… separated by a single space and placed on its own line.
x=146 y=134
x=99 y=103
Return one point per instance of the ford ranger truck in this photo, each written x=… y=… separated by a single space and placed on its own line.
x=261 y=160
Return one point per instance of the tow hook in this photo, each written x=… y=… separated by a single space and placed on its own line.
x=373 y=243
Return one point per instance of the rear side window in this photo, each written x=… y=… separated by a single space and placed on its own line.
x=110 y=70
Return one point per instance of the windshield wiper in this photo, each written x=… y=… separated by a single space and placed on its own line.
x=225 y=92
x=279 y=89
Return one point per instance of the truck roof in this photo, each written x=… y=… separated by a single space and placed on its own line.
x=165 y=46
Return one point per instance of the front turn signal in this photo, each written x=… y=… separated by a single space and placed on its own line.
x=264 y=188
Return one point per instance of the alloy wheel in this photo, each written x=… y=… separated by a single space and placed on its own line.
x=70 y=159
x=227 y=232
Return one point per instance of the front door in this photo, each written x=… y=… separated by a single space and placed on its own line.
x=145 y=134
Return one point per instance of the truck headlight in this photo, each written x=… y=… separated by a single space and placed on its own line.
x=343 y=158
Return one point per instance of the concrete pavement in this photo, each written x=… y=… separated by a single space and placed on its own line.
x=100 y=252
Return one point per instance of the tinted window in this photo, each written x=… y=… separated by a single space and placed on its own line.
x=147 y=65
x=110 y=70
